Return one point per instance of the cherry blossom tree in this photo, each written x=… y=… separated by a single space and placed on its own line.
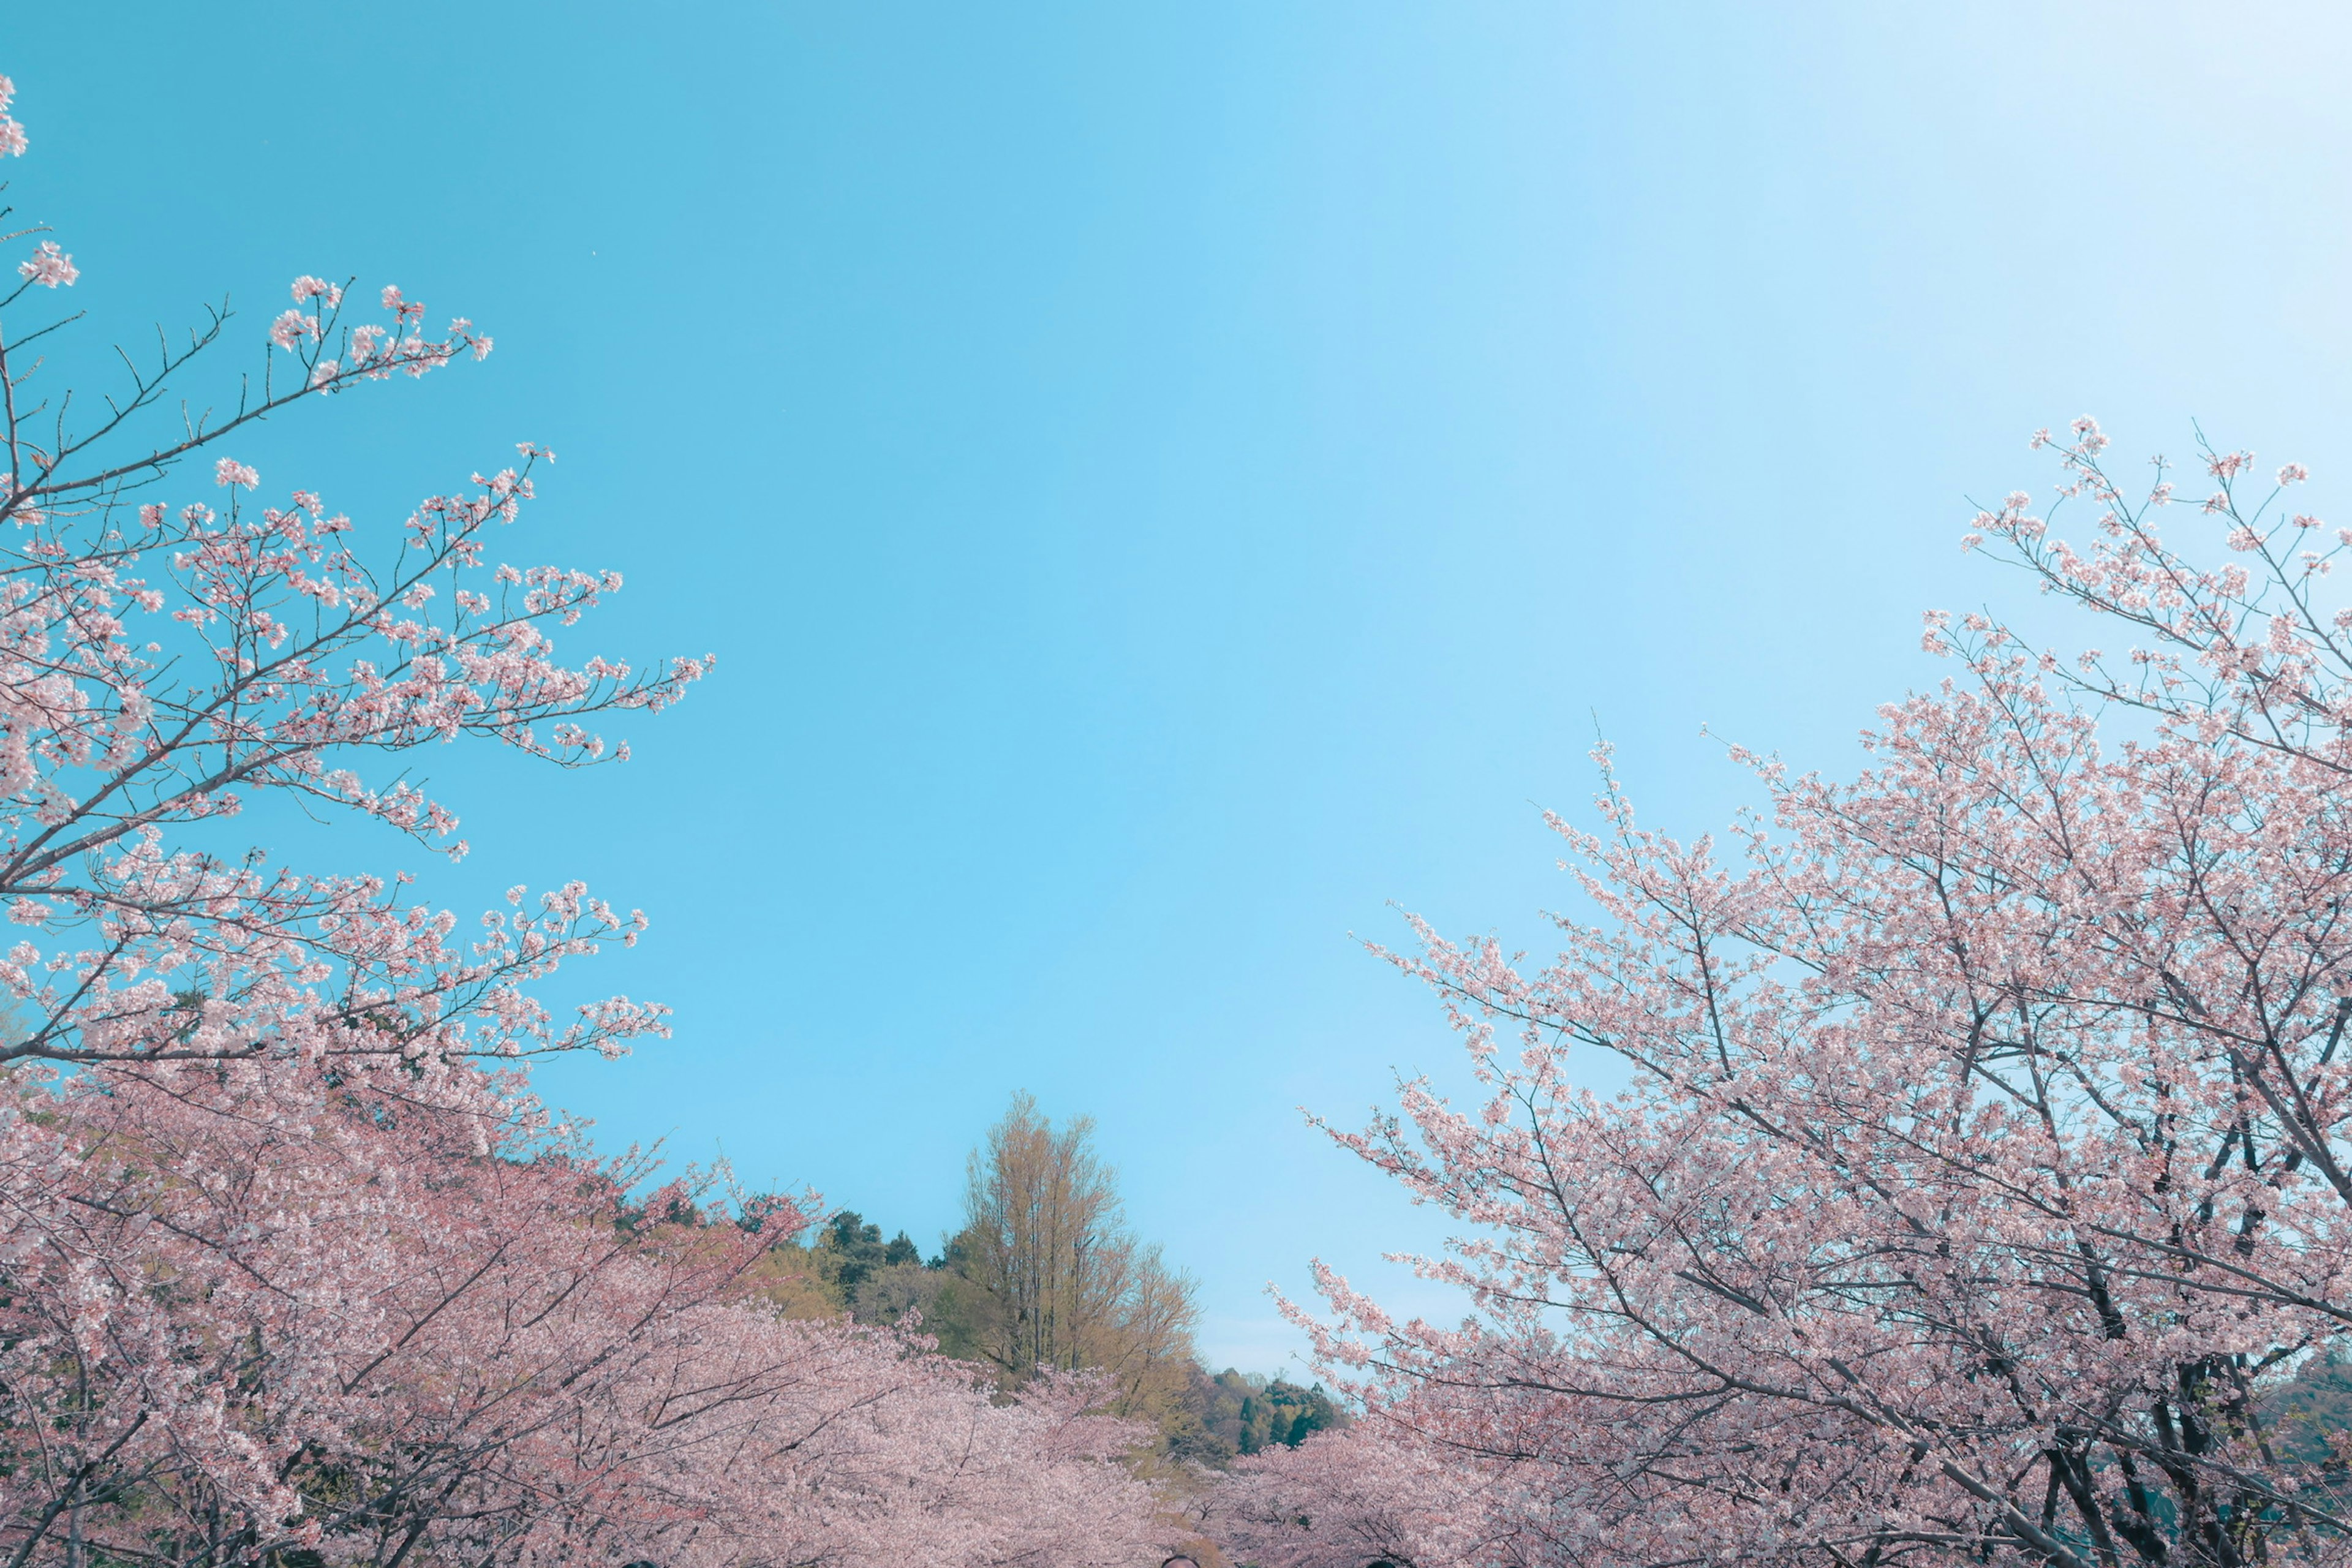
x=172 y=646
x=246 y=1319
x=1984 y=1167
x=293 y=1270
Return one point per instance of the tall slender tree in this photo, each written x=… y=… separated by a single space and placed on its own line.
x=1054 y=1279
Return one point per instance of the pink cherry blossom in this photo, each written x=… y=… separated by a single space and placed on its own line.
x=2226 y=466
x=12 y=134
x=293 y=328
x=49 y=267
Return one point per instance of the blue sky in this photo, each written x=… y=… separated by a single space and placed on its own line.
x=1165 y=482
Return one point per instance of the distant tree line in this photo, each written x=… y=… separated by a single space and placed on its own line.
x=1046 y=1274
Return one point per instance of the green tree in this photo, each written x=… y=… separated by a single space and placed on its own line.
x=857 y=1250
x=1049 y=1275
x=1236 y=1412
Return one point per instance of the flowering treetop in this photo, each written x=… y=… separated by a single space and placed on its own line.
x=170 y=645
x=1987 y=1164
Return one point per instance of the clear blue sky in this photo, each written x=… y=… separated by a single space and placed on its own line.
x=1164 y=481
